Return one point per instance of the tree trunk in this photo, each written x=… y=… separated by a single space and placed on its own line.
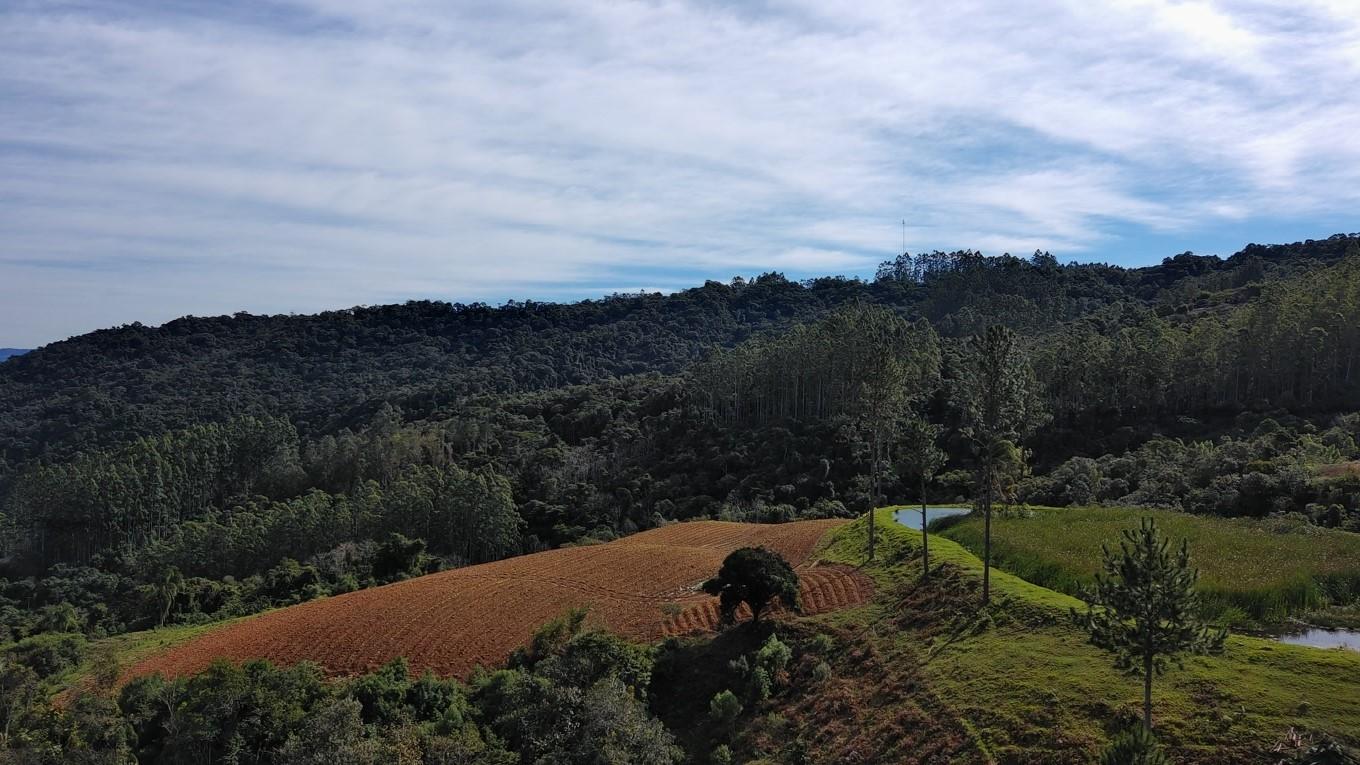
x=873 y=499
x=987 y=531
x=925 y=536
x=1147 y=692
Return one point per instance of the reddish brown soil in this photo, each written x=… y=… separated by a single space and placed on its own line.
x=644 y=586
x=1340 y=470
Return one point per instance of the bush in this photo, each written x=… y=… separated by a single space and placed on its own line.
x=820 y=644
x=592 y=656
x=48 y=654
x=399 y=557
x=382 y=694
x=774 y=656
x=724 y=709
x=1137 y=746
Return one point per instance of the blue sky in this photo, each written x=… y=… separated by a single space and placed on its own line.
x=167 y=158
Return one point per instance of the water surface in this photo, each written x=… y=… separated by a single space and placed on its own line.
x=1320 y=638
x=911 y=516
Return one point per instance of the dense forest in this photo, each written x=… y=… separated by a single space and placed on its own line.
x=218 y=466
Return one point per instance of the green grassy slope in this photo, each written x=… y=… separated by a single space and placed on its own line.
x=1256 y=570
x=120 y=652
x=1030 y=688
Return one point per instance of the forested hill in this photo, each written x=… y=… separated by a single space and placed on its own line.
x=6 y=353
x=332 y=370
x=275 y=458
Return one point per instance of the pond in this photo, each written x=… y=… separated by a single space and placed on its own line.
x=1320 y=638
x=911 y=516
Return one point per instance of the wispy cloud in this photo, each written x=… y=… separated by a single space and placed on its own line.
x=162 y=158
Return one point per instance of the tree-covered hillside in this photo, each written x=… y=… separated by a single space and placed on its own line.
x=328 y=371
x=215 y=466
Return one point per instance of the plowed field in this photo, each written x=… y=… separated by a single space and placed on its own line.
x=644 y=586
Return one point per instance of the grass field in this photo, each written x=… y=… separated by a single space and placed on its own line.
x=1250 y=571
x=1029 y=688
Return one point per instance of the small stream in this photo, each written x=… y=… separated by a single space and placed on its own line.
x=911 y=516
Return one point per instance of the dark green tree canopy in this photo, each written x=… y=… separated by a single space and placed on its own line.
x=994 y=389
x=918 y=454
x=754 y=576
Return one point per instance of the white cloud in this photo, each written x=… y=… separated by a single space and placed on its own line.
x=318 y=153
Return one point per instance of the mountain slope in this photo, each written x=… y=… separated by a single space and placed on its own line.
x=330 y=370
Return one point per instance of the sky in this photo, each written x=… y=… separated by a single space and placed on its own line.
x=170 y=157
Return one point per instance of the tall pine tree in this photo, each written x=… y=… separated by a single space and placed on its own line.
x=920 y=460
x=1143 y=608
x=995 y=391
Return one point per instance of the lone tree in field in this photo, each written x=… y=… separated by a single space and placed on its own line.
x=754 y=576
x=921 y=459
x=1143 y=608
x=994 y=389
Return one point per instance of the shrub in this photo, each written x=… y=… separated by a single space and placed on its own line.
x=48 y=654
x=382 y=694
x=550 y=639
x=724 y=709
x=821 y=644
x=774 y=656
x=399 y=557
x=761 y=685
x=1137 y=746
x=592 y=656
